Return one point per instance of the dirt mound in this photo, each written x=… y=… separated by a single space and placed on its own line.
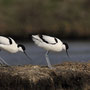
x=65 y=76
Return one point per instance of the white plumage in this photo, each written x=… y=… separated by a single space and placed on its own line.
x=50 y=44
x=9 y=45
x=5 y=40
x=49 y=39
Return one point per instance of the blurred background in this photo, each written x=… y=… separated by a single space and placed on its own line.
x=68 y=20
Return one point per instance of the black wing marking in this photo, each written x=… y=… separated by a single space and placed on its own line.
x=43 y=39
x=56 y=40
x=10 y=41
x=41 y=36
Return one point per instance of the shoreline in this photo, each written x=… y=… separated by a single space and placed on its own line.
x=65 y=76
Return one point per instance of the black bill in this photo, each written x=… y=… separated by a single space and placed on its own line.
x=67 y=53
x=27 y=56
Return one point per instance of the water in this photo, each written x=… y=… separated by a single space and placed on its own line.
x=79 y=51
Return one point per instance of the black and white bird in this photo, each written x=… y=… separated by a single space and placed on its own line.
x=50 y=44
x=9 y=45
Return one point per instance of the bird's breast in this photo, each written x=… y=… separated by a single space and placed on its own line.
x=9 y=48
x=55 y=48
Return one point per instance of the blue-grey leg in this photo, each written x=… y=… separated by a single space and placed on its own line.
x=2 y=61
x=48 y=61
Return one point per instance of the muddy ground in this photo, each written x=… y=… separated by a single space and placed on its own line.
x=65 y=76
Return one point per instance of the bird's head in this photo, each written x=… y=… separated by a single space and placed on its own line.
x=21 y=48
x=66 y=48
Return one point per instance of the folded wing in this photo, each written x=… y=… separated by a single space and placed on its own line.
x=6 y=41
x=49 y=39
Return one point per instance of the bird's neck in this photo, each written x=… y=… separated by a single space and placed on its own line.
x=64 y=47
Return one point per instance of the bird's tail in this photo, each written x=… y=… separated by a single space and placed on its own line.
x=36 y=39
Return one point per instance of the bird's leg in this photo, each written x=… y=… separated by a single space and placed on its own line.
x=48 y=61
x=2 y=61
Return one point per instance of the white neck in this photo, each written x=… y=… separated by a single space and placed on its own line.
x=64 y=47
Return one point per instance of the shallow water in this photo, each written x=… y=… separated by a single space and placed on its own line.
x=79 y=51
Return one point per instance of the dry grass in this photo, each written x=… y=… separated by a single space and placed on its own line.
x=65 y=76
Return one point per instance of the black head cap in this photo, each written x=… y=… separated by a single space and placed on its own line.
x=23 y=47
x=67 y=47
